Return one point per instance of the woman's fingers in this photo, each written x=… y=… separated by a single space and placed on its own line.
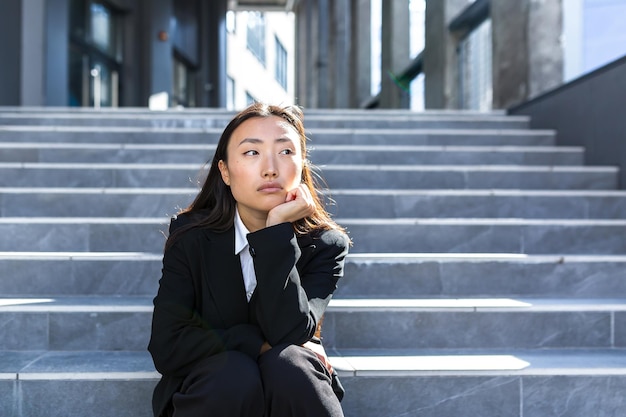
x=298 y=204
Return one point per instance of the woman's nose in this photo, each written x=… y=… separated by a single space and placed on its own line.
x=269 y=170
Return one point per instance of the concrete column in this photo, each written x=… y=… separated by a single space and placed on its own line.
x=302 y=59
x=322 y=79
x=361 y=67
x=32 y=85
x=10 y=69
x=440 y=56
x=395 y=52
x=33 y=52
x=307 y=52
x=527 y=51
x=341 y=46
x=333 y=53
x=158 y=51
x=213 y=52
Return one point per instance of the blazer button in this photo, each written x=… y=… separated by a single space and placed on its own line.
x=252 y=252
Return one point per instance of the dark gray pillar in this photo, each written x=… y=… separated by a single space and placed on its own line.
x=33 y=63
x=158 y=59
x=341 y=44
x=323 y=98
x=527 y=52
x=395 y=52
x=361 y=66
x=440 y=56
x=10 y=69
x=306 y=53
x=213 y=53
x=57 y=52
x=333 y=53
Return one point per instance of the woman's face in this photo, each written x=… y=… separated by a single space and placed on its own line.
x=264 y=162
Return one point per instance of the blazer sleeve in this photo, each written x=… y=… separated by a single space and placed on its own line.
x=291 y=302
x=180 y=336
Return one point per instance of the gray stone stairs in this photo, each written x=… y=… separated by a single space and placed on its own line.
x=487 y=275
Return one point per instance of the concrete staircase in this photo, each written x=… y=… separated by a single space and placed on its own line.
x=487 y=277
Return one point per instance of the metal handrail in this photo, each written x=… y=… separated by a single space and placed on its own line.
x=467 y=21
x=402 y=79
x=471 y=17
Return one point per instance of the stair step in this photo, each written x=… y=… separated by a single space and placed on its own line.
x=336 y=176
x=79 y=273
x=319 y=154
x=349 y=203
x=368 y=275
x=531 y=236
x=76 y=323
x=567 y=383
x=317 y=136
x=371 y=275
x=61 y=384
x=219 y=119
x=120 y=383
x=123 y=323
x=475 y=323
x=486 y=276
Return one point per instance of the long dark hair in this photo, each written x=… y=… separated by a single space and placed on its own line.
x=216 y=200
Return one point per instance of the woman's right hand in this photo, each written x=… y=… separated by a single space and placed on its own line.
x=264 y=348
x=298 y=204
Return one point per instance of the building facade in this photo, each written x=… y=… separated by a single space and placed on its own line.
x=319 y=55
x=260 y=58
x=112 y=52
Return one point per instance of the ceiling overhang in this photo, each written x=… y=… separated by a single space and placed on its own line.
x=263 y=5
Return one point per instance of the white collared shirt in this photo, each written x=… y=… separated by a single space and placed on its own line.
x=243 y=250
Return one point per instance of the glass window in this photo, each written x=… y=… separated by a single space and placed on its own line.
x=101 y=28
x=281 y=64
x=95 y=54
x=249 y=99
x=230 y=93
x=231 y=21
x=184 y=84
x=255 y=36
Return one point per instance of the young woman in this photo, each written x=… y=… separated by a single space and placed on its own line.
x=248 y=270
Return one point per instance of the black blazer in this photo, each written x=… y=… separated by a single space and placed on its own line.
x=201 y=307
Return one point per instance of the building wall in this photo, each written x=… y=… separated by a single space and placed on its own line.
x=588 y=112
x=594 y=34
x=10 y=52
x=250 y=76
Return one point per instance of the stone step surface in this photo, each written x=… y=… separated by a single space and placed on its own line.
x=392 y=383
x=485 y=278
x=123 y=323
x=474 y=323
x=219 y=119
x=368 y=275
x=335 y=176
x=349 y=203
x=525 y=236
x=322 y=154
x=575 y=383
x=319 y=136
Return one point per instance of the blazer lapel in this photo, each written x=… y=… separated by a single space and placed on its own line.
x=222 y=274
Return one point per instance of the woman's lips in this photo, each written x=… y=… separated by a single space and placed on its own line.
x=270 y=187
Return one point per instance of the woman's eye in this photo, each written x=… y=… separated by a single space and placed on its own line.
x=286 y=151
x=251 y=152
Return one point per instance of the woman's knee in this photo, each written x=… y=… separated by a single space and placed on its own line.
x=230 y=378
x=290 y=368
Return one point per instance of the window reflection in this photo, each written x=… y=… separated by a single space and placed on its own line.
x=95 y=54
x=102 y=29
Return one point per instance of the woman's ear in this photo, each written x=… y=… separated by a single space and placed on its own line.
x=224 y=171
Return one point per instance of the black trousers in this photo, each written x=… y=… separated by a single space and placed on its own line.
x=287 y=381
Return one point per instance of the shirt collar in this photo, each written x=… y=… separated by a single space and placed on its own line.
x=240 y=234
